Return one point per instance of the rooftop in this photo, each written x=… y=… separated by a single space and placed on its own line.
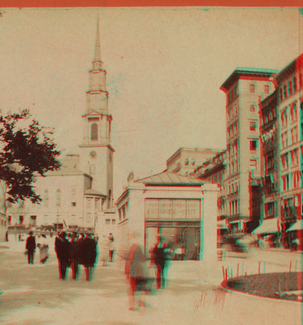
x=248 y=72
x=170 y=179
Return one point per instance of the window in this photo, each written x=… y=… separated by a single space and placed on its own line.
x=58 y=197
x=253 y=164
x=252 y=88
x=252 y=108
x=46 y=198
x=107 y=221
x=253 y=126
x=266 y=89
x=253 y=144
x=113 y=221
x=94 y=132
x=73 y=196
x=21 y=220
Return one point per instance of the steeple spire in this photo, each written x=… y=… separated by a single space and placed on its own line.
x=97 y=46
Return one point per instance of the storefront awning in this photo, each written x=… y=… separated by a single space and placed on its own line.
x=296 y=226
x=268 y=226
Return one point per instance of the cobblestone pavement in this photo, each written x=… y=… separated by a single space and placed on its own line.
x=34 y=294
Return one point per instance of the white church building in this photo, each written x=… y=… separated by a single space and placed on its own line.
x=79 y=194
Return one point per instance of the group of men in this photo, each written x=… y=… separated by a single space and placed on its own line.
x=73 y=251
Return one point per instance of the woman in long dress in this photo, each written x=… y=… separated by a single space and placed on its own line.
x=43 y=247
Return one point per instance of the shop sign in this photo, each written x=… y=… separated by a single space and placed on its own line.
x=172 y=208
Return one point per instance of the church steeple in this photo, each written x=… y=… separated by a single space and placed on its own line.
x=97 y=56
x=97 y=119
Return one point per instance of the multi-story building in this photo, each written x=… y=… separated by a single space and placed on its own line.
x=289 y=99
x=185 y=160
x=269 y=160
x=213 y=171
x=244 y=88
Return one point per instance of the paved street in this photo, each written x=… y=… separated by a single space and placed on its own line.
x=35 y=295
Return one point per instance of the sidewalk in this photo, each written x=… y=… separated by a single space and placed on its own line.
x=35 y=295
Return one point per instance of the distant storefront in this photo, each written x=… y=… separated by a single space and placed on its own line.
x=182 y=209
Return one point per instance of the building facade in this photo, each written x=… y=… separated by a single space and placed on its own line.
x=289 y=100
x=180 y=208
x=77 y=195
x=244 y=89
x=185 y=160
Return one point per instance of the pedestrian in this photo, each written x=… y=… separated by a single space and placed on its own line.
x=104 y=249
x=112 y=248
x=65 y=255
x=90 y=254
x=75 y=255
x=159 y=259
x=43 y=248
x=135 y=269
x=58 y=249
x=30 y=247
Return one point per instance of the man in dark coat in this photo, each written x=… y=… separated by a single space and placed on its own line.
x=89 y=249
x=159 y=257
x=75 y=252
x=30 y=247
x=58 y=249
x=65 y=255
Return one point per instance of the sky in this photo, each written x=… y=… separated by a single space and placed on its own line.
x=164 y=70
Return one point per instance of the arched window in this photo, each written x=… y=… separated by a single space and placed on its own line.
x=46 y=198
x=58 y=198
x=94 y=132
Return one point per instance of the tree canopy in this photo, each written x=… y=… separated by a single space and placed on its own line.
x=26 y=151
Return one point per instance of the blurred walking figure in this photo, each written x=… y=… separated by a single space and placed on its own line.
x=112 y=247
x=30 y=247
x=89 y=257
x=159 y=259
x=65 y=255
x=104 y=248
x=136 y=272
x=58 y=249
x=75 y=252
x=43 y=248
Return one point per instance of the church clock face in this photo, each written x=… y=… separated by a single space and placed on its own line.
x=93 y=154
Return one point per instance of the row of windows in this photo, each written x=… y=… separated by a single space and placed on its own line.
x=233 y=167
x=234 y=207
x=268 y=115
x=292 y=140
x=217 y=178
x=233 y=187
x=123 y=211
x=290 y=87
x=233 y=93
x=233 y=129
x=233 y=149
x=289 y=114
x=292 y=180
x=293 y=161
x=253 y=86
x=110 y=221
x=232 y=112
x=73 y=194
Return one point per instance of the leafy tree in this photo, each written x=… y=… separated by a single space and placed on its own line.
x=26 y=151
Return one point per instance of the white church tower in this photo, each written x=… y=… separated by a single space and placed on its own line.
x=95 y=150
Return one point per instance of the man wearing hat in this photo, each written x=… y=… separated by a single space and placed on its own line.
x=30 y=247
x=75 y=254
